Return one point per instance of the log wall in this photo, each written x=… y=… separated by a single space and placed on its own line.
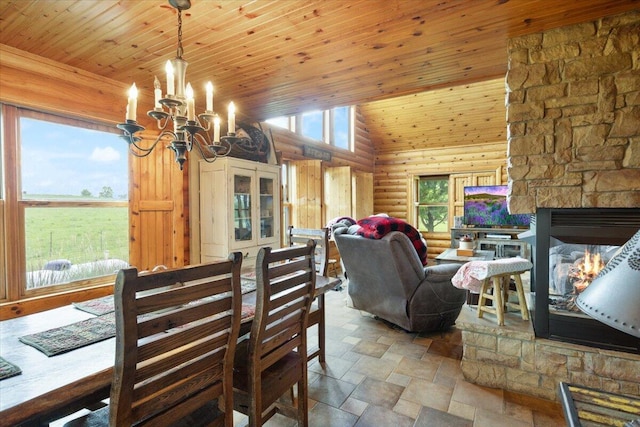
x=395 y=171
x=455 y=130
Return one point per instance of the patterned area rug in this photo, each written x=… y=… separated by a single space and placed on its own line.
x=98 y=306
x=8 y=369
x=76 y=335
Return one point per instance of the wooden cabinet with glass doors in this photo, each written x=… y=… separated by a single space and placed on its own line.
x=239 y=209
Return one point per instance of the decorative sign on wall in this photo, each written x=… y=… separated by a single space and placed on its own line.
x=316 y=153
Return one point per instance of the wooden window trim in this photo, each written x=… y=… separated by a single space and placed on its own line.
x=15 y=300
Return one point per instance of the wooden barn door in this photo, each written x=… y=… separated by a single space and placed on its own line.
x=158 y=216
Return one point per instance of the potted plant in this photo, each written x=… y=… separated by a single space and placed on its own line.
x=466 y=241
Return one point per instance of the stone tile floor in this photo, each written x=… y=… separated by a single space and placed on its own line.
x=379 y=375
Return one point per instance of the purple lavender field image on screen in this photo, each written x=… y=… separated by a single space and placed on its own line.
x=486 y=206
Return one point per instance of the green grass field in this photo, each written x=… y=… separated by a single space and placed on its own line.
x=77 y=234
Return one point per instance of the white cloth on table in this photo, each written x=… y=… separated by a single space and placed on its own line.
x=471 y=275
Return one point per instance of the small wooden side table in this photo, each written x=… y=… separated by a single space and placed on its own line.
x=584 y=406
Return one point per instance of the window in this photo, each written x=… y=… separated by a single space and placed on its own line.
x=334 y=127
x=432 y=204
x=341 y=127
x=70 y=198
x=282 y=121
x=312 y=125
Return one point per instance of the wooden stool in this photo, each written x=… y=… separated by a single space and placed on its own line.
x=500 y=295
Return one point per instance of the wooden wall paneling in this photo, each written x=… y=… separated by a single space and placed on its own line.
x=35 y=82
x=361 y=194
x=337 y=192
x=393 y=172
x=441 y=118
x=457 y=183
x=193 y=219
x=307 y=194
x=3 y=265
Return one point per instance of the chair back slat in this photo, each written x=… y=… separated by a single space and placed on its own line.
x=170 y=341
x=179 y=294
x=176 y=333
x=300 y=236
x=195 y=376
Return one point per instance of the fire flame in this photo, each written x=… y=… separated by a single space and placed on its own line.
x=585 y=270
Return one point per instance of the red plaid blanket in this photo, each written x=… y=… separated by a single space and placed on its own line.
x=375 y=227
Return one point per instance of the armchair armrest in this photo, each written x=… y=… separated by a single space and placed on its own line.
x=444 y=270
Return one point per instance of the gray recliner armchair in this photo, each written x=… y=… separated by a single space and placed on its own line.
x=387 y=279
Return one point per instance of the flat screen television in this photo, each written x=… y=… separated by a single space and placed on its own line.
x=486 y=206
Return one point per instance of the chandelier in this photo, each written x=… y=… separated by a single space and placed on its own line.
x=178 y=107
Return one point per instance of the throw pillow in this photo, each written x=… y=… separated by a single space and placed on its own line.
x=376 y=227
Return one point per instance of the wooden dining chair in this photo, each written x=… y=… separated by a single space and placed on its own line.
x=176 y=333
x=300 y=236
x=274 y=358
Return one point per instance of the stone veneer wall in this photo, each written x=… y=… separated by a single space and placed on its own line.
x=512 y=358
x=573 y=113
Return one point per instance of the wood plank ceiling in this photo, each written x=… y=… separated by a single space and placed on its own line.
x=275 y=57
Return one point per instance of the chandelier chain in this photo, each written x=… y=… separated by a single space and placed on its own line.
x=179 y=52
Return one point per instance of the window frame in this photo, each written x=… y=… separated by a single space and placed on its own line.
x=350 y=128
x=416 y=204
x=286 y=181
x=328 y=126
x=14 y=208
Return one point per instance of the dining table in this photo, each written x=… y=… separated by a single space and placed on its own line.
x=53 y=387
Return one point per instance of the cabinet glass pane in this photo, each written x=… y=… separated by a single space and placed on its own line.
x=267 y=224
x=242 y=207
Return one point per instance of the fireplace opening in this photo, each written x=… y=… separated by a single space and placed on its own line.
x=571 y=247
x=572 y=268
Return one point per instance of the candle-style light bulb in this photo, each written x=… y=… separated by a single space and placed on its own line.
x=132 y=105
x=209 y=91
x=232 y=118
x=170 y=82
x=157 y=92
x=191 y=109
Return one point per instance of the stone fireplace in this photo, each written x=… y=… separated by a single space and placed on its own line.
x=573 y=120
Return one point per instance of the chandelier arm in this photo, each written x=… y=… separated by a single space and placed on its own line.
x=213 y=150
x=163 y=123
x=149 y=149
x=134 y=153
